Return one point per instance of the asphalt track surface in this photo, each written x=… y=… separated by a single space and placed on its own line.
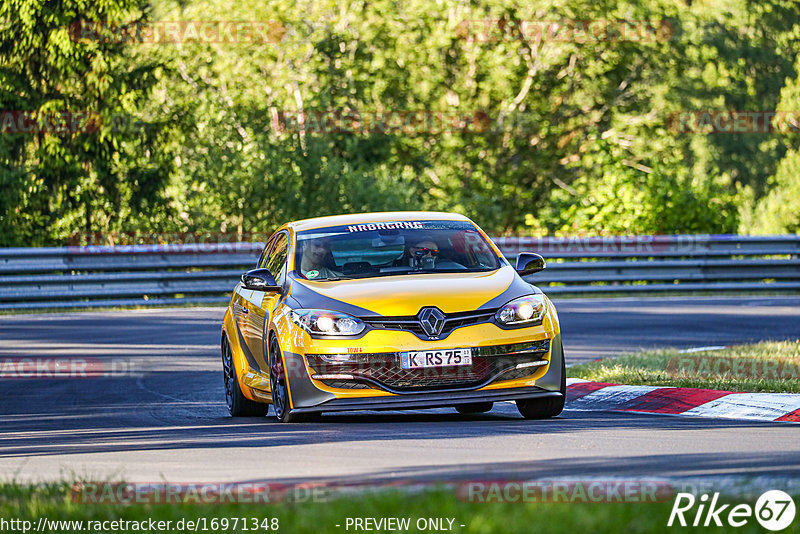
x=169 y=422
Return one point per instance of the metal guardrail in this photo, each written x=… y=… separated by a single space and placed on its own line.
x=68 y=277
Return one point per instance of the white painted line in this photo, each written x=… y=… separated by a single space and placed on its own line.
x=761 y=406
x=703 y=349
x=571 y=381
x=611 y=397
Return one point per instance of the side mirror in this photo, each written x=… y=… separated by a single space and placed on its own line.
x=260 y=280
x=529 y=263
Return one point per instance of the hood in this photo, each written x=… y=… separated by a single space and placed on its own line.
x=406 y=294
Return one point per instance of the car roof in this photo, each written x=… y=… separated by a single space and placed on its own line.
x=366 y=218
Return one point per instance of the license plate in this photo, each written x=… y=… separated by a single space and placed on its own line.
x=435 y=358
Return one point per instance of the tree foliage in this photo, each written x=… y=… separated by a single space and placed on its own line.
x=569 y=134
x=92 y=174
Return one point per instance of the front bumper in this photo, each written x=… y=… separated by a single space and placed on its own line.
x=307 y=395
x=429 y=400
x=384 y=371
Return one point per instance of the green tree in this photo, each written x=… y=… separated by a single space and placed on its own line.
x=574 y=132
x=779 y=210
x=81 y=179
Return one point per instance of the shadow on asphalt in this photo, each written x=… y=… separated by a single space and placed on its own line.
x=98 y=417
x=708 y=466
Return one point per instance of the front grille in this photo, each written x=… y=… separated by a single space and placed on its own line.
x=384 y=370
x=513 y=374
x=396 y=323
x=410 y=323
x=346 y=384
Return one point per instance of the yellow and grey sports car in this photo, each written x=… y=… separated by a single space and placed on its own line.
x=398 y=310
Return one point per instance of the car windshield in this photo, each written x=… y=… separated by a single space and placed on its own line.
x=392 y=248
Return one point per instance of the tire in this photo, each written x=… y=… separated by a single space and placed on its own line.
x=474 y=407
x=238 y=404
x=280 y=392
x=549 y=407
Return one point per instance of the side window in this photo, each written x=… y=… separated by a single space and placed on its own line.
x=262 y=261
x=277 y=259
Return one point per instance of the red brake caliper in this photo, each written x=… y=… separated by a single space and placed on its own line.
x=277 y=368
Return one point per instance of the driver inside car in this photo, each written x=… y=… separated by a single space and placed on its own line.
x=422 y=255
x=425 y=254
x=315 y=251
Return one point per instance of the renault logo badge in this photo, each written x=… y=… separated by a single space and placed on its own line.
x=432 y=321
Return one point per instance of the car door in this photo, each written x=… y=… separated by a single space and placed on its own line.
x=241 y=312
x=260 y=303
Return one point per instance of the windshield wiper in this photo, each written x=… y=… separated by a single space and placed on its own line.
x=443 y=271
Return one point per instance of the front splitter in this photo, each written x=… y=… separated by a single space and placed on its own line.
x=429 y=400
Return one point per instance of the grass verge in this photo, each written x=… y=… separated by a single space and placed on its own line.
x=53 y=502
x=771 y=366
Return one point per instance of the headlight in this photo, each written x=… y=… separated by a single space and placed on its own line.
x=522 y=311
x=326 y=322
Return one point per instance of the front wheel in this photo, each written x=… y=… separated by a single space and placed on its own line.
x=238 y=404
x=548 y=407
x=540 y=408
x=280 y=392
